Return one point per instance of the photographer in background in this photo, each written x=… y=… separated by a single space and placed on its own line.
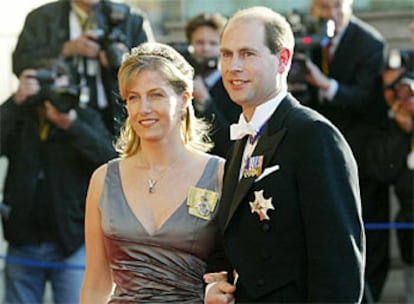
x=211 y=100
x=90 y=36
x=51 y=157
x=345 y=85
x=53 y=149
x=391 y=153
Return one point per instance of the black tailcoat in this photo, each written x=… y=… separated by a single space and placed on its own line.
x=312 y=247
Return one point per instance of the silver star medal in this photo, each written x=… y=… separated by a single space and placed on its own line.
x=260 y=205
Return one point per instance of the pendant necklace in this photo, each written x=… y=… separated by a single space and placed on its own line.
x=151 y=185
x=152 y=181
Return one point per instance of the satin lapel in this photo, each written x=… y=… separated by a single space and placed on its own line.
x=231 y=177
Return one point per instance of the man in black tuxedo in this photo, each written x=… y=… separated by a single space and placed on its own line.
x=346 y=89
x=211 y=100
x=290 y=214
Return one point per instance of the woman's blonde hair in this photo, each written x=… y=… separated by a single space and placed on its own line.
x=179 y=74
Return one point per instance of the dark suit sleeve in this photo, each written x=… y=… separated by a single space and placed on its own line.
x=331 y=213
x=10 y=122
x=217 y=260
x=386 y=153
x=358 y=69
x=359 y=79
x=91 y=138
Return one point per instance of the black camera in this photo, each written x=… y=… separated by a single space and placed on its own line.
x=310 y=34
x=403 y=86
x=202 y=66
x=57 y=86
x=111 y=33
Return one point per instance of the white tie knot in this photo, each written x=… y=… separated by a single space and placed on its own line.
x=239 y=130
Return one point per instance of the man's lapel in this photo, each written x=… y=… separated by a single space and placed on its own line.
x=266 y=146
x=231 y=177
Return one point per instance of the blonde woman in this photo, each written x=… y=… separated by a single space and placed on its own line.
x=151 y=215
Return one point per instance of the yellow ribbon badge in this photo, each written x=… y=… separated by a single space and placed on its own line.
x=202 y=202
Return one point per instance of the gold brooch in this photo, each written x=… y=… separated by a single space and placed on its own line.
x=202 y=202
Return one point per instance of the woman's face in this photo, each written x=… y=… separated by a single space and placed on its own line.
x=154 y=108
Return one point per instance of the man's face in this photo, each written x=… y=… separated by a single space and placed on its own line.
x=205 y=41
x=248 y=67
x=337 y=10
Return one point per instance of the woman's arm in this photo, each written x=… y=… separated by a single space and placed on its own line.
x=97 y=285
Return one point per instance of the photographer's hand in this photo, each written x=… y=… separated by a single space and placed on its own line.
x=388 y=78
x=201 y=94
x=403 y=117
x=402 y=108
x=28 y=86
x=316 y=77
x=86 y=45
x=61 y=120
x=103 y=58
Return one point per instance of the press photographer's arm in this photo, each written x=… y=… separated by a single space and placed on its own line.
x=89 y=38
x=399 y=95
x=52 y=31
x=86 y=45
x=28 y=86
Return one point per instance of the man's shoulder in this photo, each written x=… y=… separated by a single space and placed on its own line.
x=50 y=8
x=366 y=29
x=301 y=116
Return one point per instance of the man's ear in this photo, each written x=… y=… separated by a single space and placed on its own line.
x=284 y=56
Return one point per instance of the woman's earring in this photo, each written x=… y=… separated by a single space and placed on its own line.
x=183 y=113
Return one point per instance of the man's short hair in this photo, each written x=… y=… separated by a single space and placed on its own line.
x=215 y=21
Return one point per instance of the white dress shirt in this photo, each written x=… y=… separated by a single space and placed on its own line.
x=261 y=114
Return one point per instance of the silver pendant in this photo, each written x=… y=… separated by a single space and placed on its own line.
x=151 y=184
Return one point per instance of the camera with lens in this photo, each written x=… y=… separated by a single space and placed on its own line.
x=310 y=34
x=110 y=33
x=202 y=66
x=56 y=85
x=403 y=59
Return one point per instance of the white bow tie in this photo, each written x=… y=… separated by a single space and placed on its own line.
x=239 y=130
